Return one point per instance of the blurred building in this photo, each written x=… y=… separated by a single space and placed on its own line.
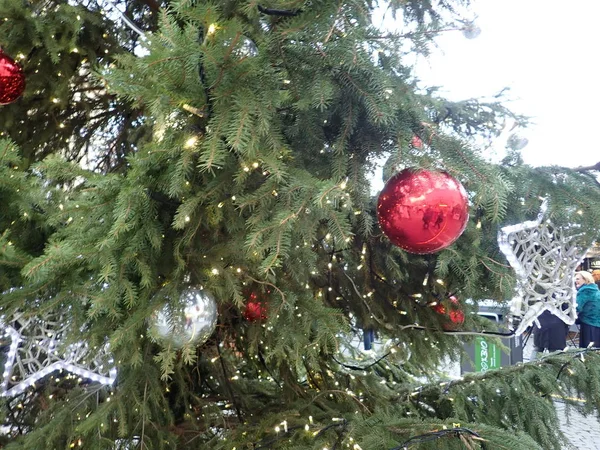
x=592 y=259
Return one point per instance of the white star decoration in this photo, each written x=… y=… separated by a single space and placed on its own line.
x=36 y=350
x=545 y=260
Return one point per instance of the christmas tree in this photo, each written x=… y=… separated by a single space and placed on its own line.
x=192 y=254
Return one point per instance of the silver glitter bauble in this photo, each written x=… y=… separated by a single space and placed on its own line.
x=471 y=31
x=516 y=142
x=189 y=323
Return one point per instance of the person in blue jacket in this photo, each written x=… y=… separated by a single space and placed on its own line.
x=588 y=309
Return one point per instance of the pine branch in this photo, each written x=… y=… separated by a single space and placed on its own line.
x=227 y=381
x=435 y=435
x=588 y=168
x=279 y=12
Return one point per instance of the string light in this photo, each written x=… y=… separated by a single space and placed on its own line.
x=191 y=142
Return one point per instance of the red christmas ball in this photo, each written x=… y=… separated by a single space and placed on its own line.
x=423 y=211
x=439 y=308
x=416 y=142
x=255 y=311
x=456 y=315
x=12 y=79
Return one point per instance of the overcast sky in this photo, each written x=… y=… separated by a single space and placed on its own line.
x=546 y=52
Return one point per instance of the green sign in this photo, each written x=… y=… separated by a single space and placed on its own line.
x=487 y=355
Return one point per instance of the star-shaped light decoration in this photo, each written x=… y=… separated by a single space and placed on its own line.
x=544 y=258
x=37 y=349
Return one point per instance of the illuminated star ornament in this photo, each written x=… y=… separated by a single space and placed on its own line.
x=544 y=258
x=37 y=349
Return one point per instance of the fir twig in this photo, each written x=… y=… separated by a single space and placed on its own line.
x=434 y=435
x=588 y=168
x=502 y=335
x=238 y=411
x=348 y=366
x=279 y=12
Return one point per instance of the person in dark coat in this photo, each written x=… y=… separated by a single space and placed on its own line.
x=588 y=309
x=551 y=335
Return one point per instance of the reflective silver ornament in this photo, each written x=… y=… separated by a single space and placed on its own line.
x=471 y=31
x=189 y=323
x=516 y=142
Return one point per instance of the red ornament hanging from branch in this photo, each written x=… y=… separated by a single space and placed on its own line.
x=423 y=211
x=256 y=309
x=416 y=142
x=12 y=79
x=455 y=314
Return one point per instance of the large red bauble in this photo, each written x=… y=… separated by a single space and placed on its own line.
x=12 y=80
x=423 y=211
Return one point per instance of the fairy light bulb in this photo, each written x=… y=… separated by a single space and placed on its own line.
x=191 y=142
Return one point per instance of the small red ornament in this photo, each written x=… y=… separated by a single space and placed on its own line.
x=456 y=316
x=416 y=142
x=256 y=310
x=12 y=79
x=423 y=211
